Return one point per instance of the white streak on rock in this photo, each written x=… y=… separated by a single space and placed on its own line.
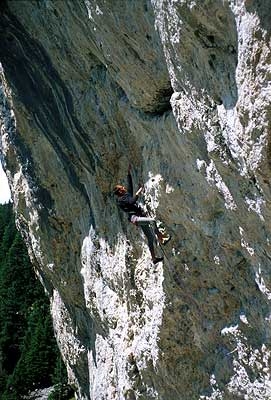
x=246 y=360
x=216 y=392
x=214 y=178
x=245 y=244
x=261 y=284
x=243 y=318
x=256 y=205
x=98 y=10
x=169 y=189
x=88 y=6
x=152 y=192
x=229 y=330
x=217 y=260
x=70 y=347
x=131 y=337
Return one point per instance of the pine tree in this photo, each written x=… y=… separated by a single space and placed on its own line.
x=28 y=351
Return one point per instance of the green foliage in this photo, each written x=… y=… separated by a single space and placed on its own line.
x=29 y=357
x=61 y=390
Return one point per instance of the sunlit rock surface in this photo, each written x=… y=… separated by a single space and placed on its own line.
x=181 y=89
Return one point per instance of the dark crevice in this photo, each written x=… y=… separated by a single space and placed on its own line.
x=206 y=40
x=40 y=89
x=161 y=103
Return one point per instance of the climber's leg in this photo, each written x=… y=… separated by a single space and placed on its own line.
x=162 y=237
x=144 y=223
x=151 y=238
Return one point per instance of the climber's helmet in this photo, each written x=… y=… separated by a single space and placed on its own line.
x=119 y=190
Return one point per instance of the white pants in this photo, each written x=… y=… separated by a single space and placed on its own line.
x=144 y=223
x=139 y=220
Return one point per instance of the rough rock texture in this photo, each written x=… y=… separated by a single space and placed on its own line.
x=181 y=89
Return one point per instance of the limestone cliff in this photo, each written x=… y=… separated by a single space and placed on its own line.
x=181 y=89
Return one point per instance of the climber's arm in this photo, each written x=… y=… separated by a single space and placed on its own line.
x=132 y=199
x=130 y=184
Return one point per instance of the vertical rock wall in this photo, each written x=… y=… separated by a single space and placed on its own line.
x=181 y=89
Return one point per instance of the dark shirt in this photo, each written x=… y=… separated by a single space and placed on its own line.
x=127 y=202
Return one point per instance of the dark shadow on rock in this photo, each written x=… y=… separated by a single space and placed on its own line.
x=162 y=101
x=38 y=86
x=40 y=194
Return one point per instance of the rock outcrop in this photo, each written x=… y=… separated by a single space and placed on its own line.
x=181 y=89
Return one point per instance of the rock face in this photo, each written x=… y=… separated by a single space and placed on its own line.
x=181 y=89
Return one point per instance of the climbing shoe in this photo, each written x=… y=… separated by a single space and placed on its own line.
x=166 y=240
x=163 y=239
x=157 y=260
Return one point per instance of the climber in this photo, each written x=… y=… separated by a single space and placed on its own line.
x=128 y=203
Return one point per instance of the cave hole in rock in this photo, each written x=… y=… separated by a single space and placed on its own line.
x=161 y=102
